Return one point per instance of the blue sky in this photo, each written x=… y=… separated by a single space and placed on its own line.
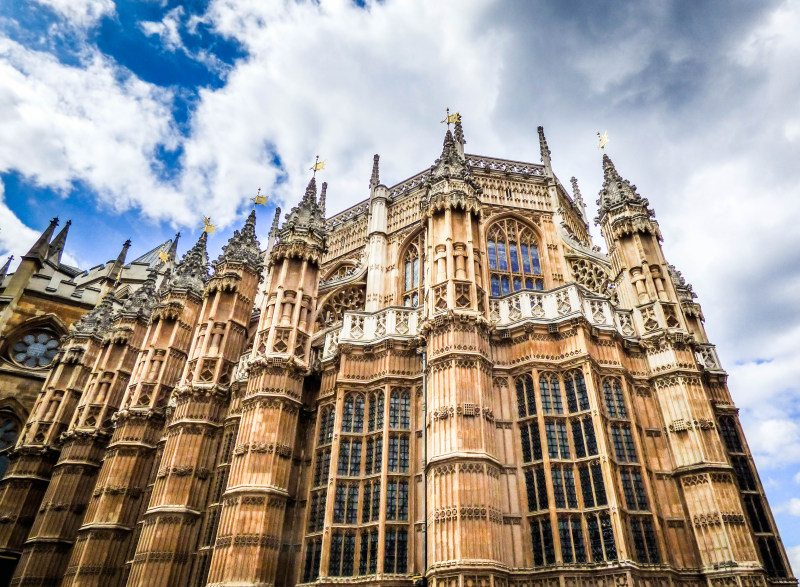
x=136 y=119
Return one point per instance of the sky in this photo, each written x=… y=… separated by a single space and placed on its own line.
x=136 y=119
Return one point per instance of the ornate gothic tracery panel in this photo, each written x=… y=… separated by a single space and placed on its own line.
x=334 y=307
x=590 y=275
x=514 y=262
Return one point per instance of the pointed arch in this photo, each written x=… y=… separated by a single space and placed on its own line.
x=513 y=248
x=411 y=264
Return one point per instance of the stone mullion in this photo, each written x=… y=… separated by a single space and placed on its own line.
x=120 y=504
x=66 y=499
x=30 y=471
x=605 y=449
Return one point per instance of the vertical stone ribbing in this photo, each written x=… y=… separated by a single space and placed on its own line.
x=116 y=503
x=171 y=526
x=254 y=504
x=46 y=553
x=25 y=483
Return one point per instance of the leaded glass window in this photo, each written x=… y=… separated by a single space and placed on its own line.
x=571 y=534
x=615 y=401
x=513 y=253
x=536 y=489
x=542 y=541
x=551 y=395
x=323 y=467
x=395 y=558
x=397 y=500
x=349 y=457
x=601 y=537
x=326 y=422
x=744 y=474
x=400 y=409
x=593 y=487
x=368 y=560
x=633 y=489
x=755 y=512
x=313 y=554
x=374 y=456
x=531 y=442
x=526 y=396
x=729 y=434
x=557 y=440
x=342 y=555
x=353 y=413
x=375 y=420
x=575 y=387
x=398 y=454
x=644 y=540
x=316 y=511
x=624 y=447
x=413 y=274
x=345 y=505
x=583 y=438
x=564 y=487
x=771 y=556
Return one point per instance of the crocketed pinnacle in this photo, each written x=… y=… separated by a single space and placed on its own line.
x=577 y=197
x=375 y=180
x=173 y=249
x=243 y=246
x=616 y=191
x=322 y=196
x=458 y=131
x=192 y=271
x=306 y=217
x=56 y=248
x=4 y=268
x=275 y=221
x=41 y=247
x=97 y=320
x=311 y=192
x=141 y=302
x=544 y=150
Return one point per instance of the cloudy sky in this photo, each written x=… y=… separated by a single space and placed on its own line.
x=136 y=119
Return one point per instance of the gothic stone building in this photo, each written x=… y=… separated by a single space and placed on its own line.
x=447 y=380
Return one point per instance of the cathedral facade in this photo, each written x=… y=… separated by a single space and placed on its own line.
x=447 y=383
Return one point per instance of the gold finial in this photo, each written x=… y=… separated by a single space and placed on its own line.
x=603 y=139
x=259 y=200
x=207 y=226
x=317 y=166
x=451 y=118
x=162 y=255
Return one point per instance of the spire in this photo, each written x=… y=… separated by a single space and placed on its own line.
x=243 y=246
x=374 y=181
x=578 y=198
x=97 y=320
x=192 y=271
x=616 y=191
x=173 y=249
x=311 y=191
x=141 y=302
x=119 y=262
x=458 y=134
x=56 y=248
x=322 y=195
x=41 y=247
x=275 y=221
x=544 y=151
x=4 y=268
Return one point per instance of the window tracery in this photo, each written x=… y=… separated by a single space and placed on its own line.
x=590 y=275
x=348 y=298
x=34 y=349
x=514 y=262
x=413 y=273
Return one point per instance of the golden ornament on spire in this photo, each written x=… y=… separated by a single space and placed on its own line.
x=207 y=226
x=317 y=166
x=163 y=256
x=259 y=200
x=451 y=118
x=603 y=139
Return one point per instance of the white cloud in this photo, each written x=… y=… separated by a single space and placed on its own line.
x=14 y=235
x=96 y=123
x=168 y=29
x=793 y=552
x=83 y=13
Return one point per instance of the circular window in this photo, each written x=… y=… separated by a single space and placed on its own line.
x=35 y=349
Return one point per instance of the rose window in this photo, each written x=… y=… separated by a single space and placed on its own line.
x=35 y=349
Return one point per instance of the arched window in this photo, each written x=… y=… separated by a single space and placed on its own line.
x=375 y=420
x=413 y=273
x=9 y=432
x=526 y=397
x=326 y=420
x=513 y=258
x=353 y=413
x=400 y=409
x=551 y=394
x=575 y=386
